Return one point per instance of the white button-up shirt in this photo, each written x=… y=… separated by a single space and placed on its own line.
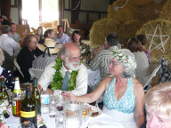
x=9 y=45
x=63 y=39
x=81 y=80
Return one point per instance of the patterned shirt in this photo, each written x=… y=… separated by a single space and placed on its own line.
x=125 y=104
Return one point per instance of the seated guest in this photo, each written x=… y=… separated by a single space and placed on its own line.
x=13 y=34
x=50 y=50
x=66 y=73
x=61 y=36
x=5 y=73
x=158 y=106
x=49 y=34
x=39 y=34
x=123 y=95
x=143 y=42
x=85 y=49
x=102 y=59
x=8 y=44
x=26 y=56
x=141 y=59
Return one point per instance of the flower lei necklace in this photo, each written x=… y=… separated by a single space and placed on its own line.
x=58 y=79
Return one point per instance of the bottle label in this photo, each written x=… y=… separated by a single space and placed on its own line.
x=45 y=99
x=17 y=91
x=27 y=114
x=14 y=107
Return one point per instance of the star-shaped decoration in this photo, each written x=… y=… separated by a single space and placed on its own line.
x=157 y=35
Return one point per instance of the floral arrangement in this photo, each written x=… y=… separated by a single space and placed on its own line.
x=58 y=79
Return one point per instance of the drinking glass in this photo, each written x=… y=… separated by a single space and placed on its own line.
x=72 y=115
x=52 y=106
x=59 y=115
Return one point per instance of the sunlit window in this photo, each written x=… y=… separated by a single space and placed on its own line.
x=49 y=11
x=30 y=12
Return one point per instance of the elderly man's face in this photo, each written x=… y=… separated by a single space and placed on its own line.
x=72 y=59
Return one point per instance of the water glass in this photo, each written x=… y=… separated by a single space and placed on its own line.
x=52 y=106
x=45 y=100
x=72 y=115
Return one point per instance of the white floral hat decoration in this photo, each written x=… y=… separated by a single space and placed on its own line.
x=127 y=59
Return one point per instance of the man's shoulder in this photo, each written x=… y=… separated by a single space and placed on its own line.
x=83 y=67
x=52 y=64
x=65 y=35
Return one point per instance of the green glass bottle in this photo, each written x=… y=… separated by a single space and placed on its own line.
x=28 y=114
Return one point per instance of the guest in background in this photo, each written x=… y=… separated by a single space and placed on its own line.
x=50 y=50
x=13 y=33
x=143 y=44
x=5 y=73
x=85 y=49
x=39 y=34
x=141 y=60
x=123 y=95
x=8 y=44
x=61 y=36
x=102 y=59
x=26 y=56
x=49 y=34
x=158 y=106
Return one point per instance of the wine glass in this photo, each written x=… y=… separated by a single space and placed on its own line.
x=59 y=115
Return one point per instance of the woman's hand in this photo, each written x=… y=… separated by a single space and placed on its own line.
x=69 y=96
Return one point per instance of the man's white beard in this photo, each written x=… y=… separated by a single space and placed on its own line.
x=74 y=66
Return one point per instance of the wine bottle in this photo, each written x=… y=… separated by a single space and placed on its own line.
x=28 y=114
x=16 y=102
x=37 y=96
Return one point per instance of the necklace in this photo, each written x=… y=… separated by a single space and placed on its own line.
x=58 y=78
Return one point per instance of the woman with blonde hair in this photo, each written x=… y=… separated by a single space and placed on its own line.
x=123 y=95
x=5 y=73
x=158 y=106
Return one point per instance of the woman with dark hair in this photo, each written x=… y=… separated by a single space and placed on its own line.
x=85 y=49
x=26 y=56
x=39 y=34
x=141 y=59
x=76 y=37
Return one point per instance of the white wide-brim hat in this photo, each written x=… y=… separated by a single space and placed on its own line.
x=50 y=46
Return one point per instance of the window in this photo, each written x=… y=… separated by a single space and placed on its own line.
x=49 y=11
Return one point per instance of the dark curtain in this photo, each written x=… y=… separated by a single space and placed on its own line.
x=111 y=1
x=75 y=6
x=5 y=7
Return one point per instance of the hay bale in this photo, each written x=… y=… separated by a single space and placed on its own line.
x=125 y=20
x=101 y=28
x=166 y=11
x=149 y=28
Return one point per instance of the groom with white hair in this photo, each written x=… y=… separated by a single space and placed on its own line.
x=66 y=73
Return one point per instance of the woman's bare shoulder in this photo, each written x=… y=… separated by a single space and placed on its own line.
x=106 y=80
x=137 y=85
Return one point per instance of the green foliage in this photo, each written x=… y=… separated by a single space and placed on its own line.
x=58 y=79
